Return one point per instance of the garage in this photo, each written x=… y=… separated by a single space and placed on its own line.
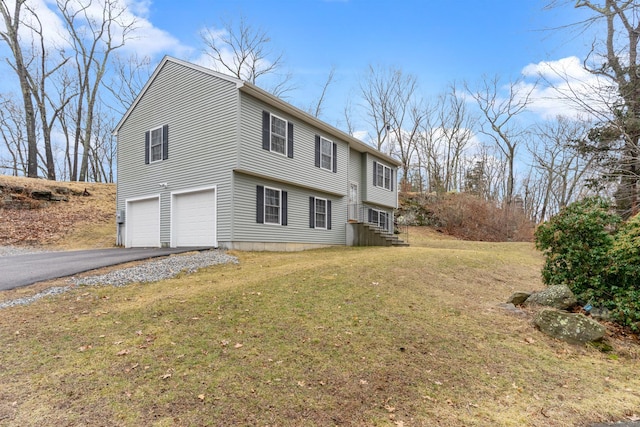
x=143 y=223
x=193 y=218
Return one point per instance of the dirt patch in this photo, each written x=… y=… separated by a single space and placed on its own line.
x=36 y=212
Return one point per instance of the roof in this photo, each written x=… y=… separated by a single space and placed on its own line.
x=266 y=97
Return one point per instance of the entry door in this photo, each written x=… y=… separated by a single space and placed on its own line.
x=353 y=201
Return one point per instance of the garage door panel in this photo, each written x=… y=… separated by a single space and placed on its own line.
x=143 y=223
x=194 y=219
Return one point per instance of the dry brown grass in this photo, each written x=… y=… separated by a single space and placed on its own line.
x=81 y=222
x=342 y=336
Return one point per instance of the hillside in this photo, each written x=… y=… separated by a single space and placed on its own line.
x=37 y=212
x=340 y=336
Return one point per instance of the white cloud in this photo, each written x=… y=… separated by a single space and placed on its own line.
x=564 y=87
x=144 y=40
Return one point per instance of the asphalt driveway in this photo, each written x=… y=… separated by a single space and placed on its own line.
x=23 y=270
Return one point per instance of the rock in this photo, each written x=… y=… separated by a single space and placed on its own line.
x=41 y=195
x=509 y=307
x=518 y=298
x=558 y=296
x=569 y=327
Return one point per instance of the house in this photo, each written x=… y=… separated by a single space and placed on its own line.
x=205 y=159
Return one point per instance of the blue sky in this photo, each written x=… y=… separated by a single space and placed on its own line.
x=439 y=41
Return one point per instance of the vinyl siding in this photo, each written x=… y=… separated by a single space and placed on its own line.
x=299 y=170
x=355 y=169
x=202 y=114
x=377 y=195
x=246 y=229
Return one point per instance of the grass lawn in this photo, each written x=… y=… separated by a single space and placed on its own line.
x=342 y=336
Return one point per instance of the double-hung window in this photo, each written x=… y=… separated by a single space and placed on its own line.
x=319 y=213
x=271 y=206
x=382 y=176
x=326 y=154
x=156 y=144
x=277 y=134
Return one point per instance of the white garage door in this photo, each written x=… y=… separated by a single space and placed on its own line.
x=194 y=219
x=143 y=223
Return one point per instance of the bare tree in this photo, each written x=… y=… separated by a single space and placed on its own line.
x=246 y=53
x=500 y=120
x=613 y=58
x=394 y=113
x=94 y=39
x=19 y=64
x=130 y=74
x=316 y=109
x=38 y=79
x=11 y=132
x=562 y=167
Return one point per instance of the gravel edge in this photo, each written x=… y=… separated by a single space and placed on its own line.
x=150 y=271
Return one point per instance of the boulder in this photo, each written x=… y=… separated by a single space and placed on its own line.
x=510 y=308
x=558 y=296
x=518 y=298
x=569 y=327
x=41 y=195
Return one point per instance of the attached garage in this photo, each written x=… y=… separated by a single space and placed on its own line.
x=193 y=218
x=143 y=223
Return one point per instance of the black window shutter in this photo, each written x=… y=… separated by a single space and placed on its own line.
x=290 y=140
x=328 y=214
x=260 y=204
x=375 y=172
x=335 y=157
x=317 y=151
x=165 y=142
x=146 y=148
x=266 y=130
x=284 y=208
x=370 y=216
x=312 y=212
x=393 y=177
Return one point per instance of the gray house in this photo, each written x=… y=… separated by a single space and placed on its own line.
x=205 y=159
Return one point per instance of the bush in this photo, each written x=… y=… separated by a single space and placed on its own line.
x=576 y=244
x=623 y=274
x=587 y=249
x=466 y=216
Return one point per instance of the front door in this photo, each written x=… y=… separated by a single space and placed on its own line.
x=353 y=201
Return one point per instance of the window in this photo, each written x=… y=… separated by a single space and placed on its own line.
x=326 y=154
x=277 y=134
x=271 y=206
x=319 y=213
x=379 y=218
x=156 y=144
x=382 y=176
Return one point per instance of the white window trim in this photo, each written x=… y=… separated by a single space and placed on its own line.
x=315 y=214
x=264 y=207
x=378 y=212
x=161 y=144
x=286 y=135
x=330 y=143
x=384 y=169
